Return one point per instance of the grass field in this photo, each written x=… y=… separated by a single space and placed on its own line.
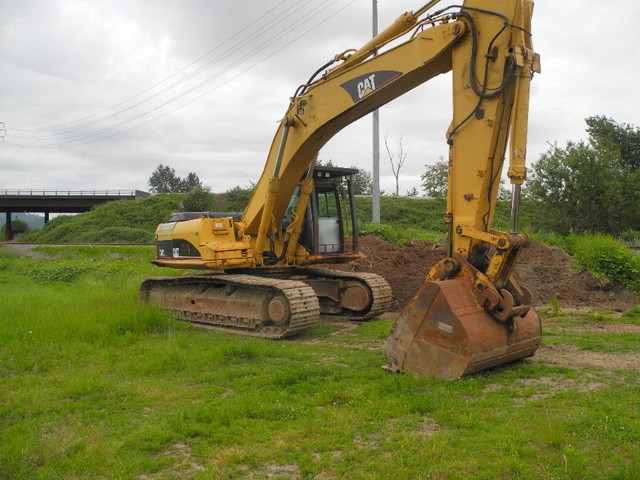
x=95 y=385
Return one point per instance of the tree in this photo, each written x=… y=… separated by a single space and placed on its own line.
x=190 y=183
x=585 y=187
x=434 y=179
x=413 y=192
x=17 y=227
x=397 y=160
x=165 y=180
x=199 y=199
x=504 y=192
x=362 y=182
x=625 y=137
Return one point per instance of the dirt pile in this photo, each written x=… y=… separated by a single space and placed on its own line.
x=546 y=270
x=550 y=273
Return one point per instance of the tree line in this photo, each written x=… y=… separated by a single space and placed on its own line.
x=591 y=185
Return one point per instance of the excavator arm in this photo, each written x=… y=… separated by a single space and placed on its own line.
x=491 y=56
x=342 y=96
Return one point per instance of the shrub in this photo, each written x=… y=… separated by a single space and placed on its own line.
x=200 y=199
x=115 y=221
x=233 y=200
x=381 y=230
x=607 y=259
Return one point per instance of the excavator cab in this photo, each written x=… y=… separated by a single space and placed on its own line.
x=330 y=231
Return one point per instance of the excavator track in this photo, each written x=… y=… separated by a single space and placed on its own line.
x=241 y=304
x=379 y=291
x=360 y=296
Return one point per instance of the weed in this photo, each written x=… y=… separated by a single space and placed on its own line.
x=632 y=315
x=555 y=307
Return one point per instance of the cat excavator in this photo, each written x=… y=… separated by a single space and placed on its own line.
x=471 y=313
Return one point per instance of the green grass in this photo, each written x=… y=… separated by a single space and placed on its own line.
x=399 y=233
x=427 y=214
x=597 y=342
x=555 y=312
x=95 y=385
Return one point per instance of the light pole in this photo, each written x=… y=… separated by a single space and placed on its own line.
x=375 y=216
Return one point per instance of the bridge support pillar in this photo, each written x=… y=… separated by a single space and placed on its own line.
x=7 y=227
x=46 y=217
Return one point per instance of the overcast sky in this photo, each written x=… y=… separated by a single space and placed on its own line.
x=96 y=94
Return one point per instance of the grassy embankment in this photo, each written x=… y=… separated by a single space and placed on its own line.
x=125 y=221
x=94 y=385
x=403 y=219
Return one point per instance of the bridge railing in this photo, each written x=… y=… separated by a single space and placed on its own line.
x=74 y=193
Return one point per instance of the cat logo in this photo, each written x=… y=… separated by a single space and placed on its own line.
x=367 y=86
x=364 y=85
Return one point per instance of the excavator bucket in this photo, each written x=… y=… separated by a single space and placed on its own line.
x=446 y=332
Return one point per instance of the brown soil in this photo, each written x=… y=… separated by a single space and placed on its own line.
x=404 y=266
x=549 y=272
x=546 y=270
x=604 y=328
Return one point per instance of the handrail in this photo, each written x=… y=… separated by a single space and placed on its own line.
x=69 y=193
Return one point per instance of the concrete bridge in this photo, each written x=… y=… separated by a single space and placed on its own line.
x=58 y=201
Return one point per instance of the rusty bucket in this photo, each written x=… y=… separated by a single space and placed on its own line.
x=445 y=332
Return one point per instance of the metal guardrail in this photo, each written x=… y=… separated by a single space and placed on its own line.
x=74 y=193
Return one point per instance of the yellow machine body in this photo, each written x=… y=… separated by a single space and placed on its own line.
x=471 y=313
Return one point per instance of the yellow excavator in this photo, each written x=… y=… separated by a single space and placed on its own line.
x=471 y=312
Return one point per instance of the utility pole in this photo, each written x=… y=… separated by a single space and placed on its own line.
x=375 y=217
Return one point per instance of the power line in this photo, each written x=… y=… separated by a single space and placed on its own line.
x=65 y=125
x=282 y=34
x=218 y=86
